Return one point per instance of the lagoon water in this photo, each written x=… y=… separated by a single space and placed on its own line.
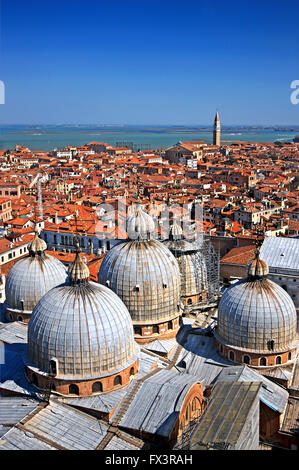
x=48 y=137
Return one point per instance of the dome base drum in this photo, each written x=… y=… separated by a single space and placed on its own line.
x=148 y=333
x=81 y=387
x=253 y=358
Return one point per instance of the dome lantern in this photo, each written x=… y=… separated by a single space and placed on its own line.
x=78 y=271
x=176 y=232
x=37 y=246
x=140 y=225
x=257 y=268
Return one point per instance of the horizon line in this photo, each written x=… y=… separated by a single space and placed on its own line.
x=144 y=125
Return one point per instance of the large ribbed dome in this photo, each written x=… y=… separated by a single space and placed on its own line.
x=254 y=312
x=31 y=277
x=86 y=328
x=146 y=276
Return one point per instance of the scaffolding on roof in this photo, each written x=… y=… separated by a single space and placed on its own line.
x=212 y=260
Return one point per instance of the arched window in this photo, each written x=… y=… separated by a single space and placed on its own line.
x=196 y=408
x=117 y=380
x=132 y=371
x=170 y=325
x=289 y=356
x=53 y=366
x=278 y=360
x=263 y=361
x=22 y=304
x=271 y=344
x=183 y=364
x=20 y=318
x=246 y=360
x=189 y=301
x=232 y=356
x=74 y=389
x=187 y=414
x=155 y=329
x=97 y=387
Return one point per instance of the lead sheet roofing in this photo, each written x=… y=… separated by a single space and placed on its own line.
x=271 y=394
x=157 y=403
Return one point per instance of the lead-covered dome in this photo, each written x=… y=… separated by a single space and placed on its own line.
x=84 y=327
x=257 y=314
x=145 y=275
x=30 y=278
x=192 y=265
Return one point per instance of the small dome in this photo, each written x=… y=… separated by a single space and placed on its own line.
x=37 y=245
x=140 y=225
x=30 y=278
x=254 y=312
x=86 y=328
x=176 y=232
x=146 y=276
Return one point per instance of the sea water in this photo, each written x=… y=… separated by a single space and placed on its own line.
x=46 y=138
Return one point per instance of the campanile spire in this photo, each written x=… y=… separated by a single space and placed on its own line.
x=216 y=132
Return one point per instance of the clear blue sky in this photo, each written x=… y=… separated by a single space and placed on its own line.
x=149 y=62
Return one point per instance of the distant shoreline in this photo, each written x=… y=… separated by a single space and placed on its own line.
x=46 y=138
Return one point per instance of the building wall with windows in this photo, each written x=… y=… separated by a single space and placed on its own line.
x=63 y=241
x=13 y=253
